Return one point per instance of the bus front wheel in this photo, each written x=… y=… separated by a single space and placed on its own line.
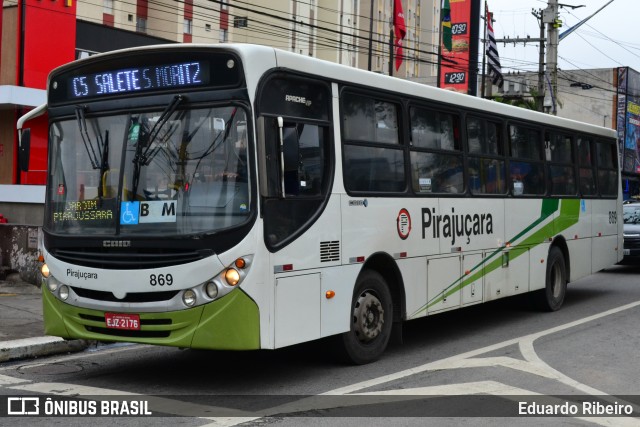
x=371 y=319
x=552 y=296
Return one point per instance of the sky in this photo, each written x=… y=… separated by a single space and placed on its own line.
x=608 y=40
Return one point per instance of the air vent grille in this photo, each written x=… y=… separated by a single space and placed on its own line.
x=330 y=251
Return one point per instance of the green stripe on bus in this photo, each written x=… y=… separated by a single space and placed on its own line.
x=569 y=215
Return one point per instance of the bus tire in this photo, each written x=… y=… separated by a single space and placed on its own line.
x=552 y=296
x=371 y=319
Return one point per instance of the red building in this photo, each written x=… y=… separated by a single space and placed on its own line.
x=37 y=36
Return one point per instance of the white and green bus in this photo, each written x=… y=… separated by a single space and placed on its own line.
x=243 y=197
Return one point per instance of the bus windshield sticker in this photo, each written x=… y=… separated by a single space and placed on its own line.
x=133 y=213
x=518 y=188
x=129 y=213
x=425 y=184
x=158 y=211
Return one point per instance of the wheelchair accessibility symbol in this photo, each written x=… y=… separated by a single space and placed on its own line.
x=129 y=213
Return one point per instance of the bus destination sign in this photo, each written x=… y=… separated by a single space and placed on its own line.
x=138 y=79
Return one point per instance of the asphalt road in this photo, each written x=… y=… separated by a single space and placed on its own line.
x=480 y=363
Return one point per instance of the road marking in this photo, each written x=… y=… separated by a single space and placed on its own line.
x=445 y=363
x=532 y=364
x=7 y=380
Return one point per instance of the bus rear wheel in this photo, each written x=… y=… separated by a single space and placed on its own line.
x=371 y=319
x=552 y=296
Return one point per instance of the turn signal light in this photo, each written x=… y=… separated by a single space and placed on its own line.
x=330 y=294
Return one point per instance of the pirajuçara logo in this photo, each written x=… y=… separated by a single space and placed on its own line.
x=81 y=274
x=455 y=225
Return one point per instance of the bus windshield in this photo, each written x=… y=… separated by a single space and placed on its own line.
x=170 y=171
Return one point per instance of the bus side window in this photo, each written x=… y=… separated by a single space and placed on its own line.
x=586 y=165
x=607 y=168
x=487 y=173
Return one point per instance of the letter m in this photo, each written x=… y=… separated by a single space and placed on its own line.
x=169 y=209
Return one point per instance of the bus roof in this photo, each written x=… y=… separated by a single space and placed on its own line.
x=253 y=57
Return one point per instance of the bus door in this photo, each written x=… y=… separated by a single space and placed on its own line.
x=295 y=172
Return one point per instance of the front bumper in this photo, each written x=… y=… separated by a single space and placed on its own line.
x=230 y=323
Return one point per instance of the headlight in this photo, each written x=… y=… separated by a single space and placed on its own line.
x=52 y=283
x=212 y=289
x=189 y=298
x=64 y=292
x=232 y=276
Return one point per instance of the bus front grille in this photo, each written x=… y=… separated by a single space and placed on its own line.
x=135 y=297
x=127 y=260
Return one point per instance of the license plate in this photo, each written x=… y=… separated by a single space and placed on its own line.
x=122 y=321
x=627 y=251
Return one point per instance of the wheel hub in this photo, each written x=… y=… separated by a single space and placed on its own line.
x=368 y=317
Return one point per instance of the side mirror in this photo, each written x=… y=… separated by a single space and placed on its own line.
x=24 y=150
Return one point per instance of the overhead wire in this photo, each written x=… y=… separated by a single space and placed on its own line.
x=322 y=37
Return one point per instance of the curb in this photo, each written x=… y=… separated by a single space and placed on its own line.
x=40 y=346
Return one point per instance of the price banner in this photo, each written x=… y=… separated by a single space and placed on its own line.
x=455 y=63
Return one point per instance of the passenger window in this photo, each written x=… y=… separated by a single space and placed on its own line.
x=584 y=152
x=436 y=158
x=487 y=174
x=373 y=156
x=370 y=120
x=525 y=142
x=374 y=169
x=483 y=137
x=434 y=130
x=527 y=172
x=607 y=168
x=437 y=172
x=527 y=178
x=586 y=170
x=559 y=154
x=558 y=148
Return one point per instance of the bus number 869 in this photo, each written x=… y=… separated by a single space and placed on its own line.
x=161 y=279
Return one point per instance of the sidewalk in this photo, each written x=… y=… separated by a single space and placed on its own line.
x=21 y=326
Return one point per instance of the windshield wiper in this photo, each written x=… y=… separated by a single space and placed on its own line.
x=143 y=158
x=104 y=164
x=146 y=157
x=98 y=153
x=92 y=152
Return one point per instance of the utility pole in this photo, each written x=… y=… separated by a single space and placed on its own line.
x=540 y=96
x=370 y=37
x=550 y=17
x=541 y=40
x=541 y=78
